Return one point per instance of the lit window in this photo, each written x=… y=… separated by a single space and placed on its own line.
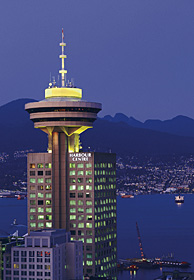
x=72 y=210
x=48 y=224
x=32 y=195
x=48 y=202
x=80 y=172
x=32 y=224
x=16 y=265
x=32 y=180
x=32 y=188
x=80 y=225
x=72 y=172
x=72 y=188
x=32 y=165
x=88 y=165
x=72 y=165
x=32 y=217
x=40 y=217
x=72 y=217
x=88 y=172
x=88 y=210
x=88 y=202
x=80 y=202
x=48 y=180
x=40 y=224
x=40 y=188
x=40 y=180
x=80 y=180
x=89 y=225
x=40 y=165
x=48 y=165
x=80 y=188
x=80 y=165
x=49 y=217
x=48 y=187
x=41 y=195
x=80 y=217
x=48 y=195
x=80 y=210
x=32 y=210
x=72 y=202
x=88 y=180
x=40 y=209
x=48 y=210
x=88 y=188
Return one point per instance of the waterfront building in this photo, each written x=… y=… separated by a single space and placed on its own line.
x=45 y=256
x=69 y=188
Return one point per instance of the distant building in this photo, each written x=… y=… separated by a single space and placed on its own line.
x=68 y=188
x=176 y=275
x=46 y=255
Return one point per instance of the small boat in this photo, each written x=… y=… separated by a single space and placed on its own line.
x=20 y=197
x=127 y=196
x=179 y=199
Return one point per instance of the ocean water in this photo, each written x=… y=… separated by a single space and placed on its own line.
x=164 y=227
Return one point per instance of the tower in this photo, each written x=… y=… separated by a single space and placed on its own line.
x=69 y=189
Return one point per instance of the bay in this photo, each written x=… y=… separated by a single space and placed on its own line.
x=164 y=227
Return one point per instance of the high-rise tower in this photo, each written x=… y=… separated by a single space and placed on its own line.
x=70 y=189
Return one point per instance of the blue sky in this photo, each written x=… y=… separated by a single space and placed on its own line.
x=133 y=56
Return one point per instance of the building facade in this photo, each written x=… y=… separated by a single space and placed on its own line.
x=45 y=257
x=68 y=188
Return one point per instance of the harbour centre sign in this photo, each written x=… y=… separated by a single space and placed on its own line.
x=80 y=156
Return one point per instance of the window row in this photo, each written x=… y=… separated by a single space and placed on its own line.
x=80 y=210
x=80 y=172
x=105 y=165
x=40 y=202
x=80 y=202
x=47 y=224
x=40 y=180
x=80 y=195
x=41 y=195
x=40 y=165
x=80 y=188
x=80 y=165
x=40 y=173
x=41 y=217
x=32 y=273
x=31 y=266
x=80 y=180
x=41 y=188
x=41 y=210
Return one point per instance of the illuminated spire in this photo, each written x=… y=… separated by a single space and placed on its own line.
x=63 y=72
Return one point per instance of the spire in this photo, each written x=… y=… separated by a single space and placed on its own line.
x=63 y=72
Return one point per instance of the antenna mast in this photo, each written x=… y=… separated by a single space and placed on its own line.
x=63 y=72
x=140 y=243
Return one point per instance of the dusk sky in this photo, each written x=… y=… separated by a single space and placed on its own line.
x=133 y=56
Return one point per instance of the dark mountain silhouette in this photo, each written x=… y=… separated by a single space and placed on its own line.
x=180 y=125
x=124 y=140
x=119 y=135
x=17 y=131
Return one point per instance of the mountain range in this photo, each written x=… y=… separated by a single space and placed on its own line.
x=121 y=134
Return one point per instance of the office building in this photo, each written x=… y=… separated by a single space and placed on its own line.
x=69 y=188
x=45 y=257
